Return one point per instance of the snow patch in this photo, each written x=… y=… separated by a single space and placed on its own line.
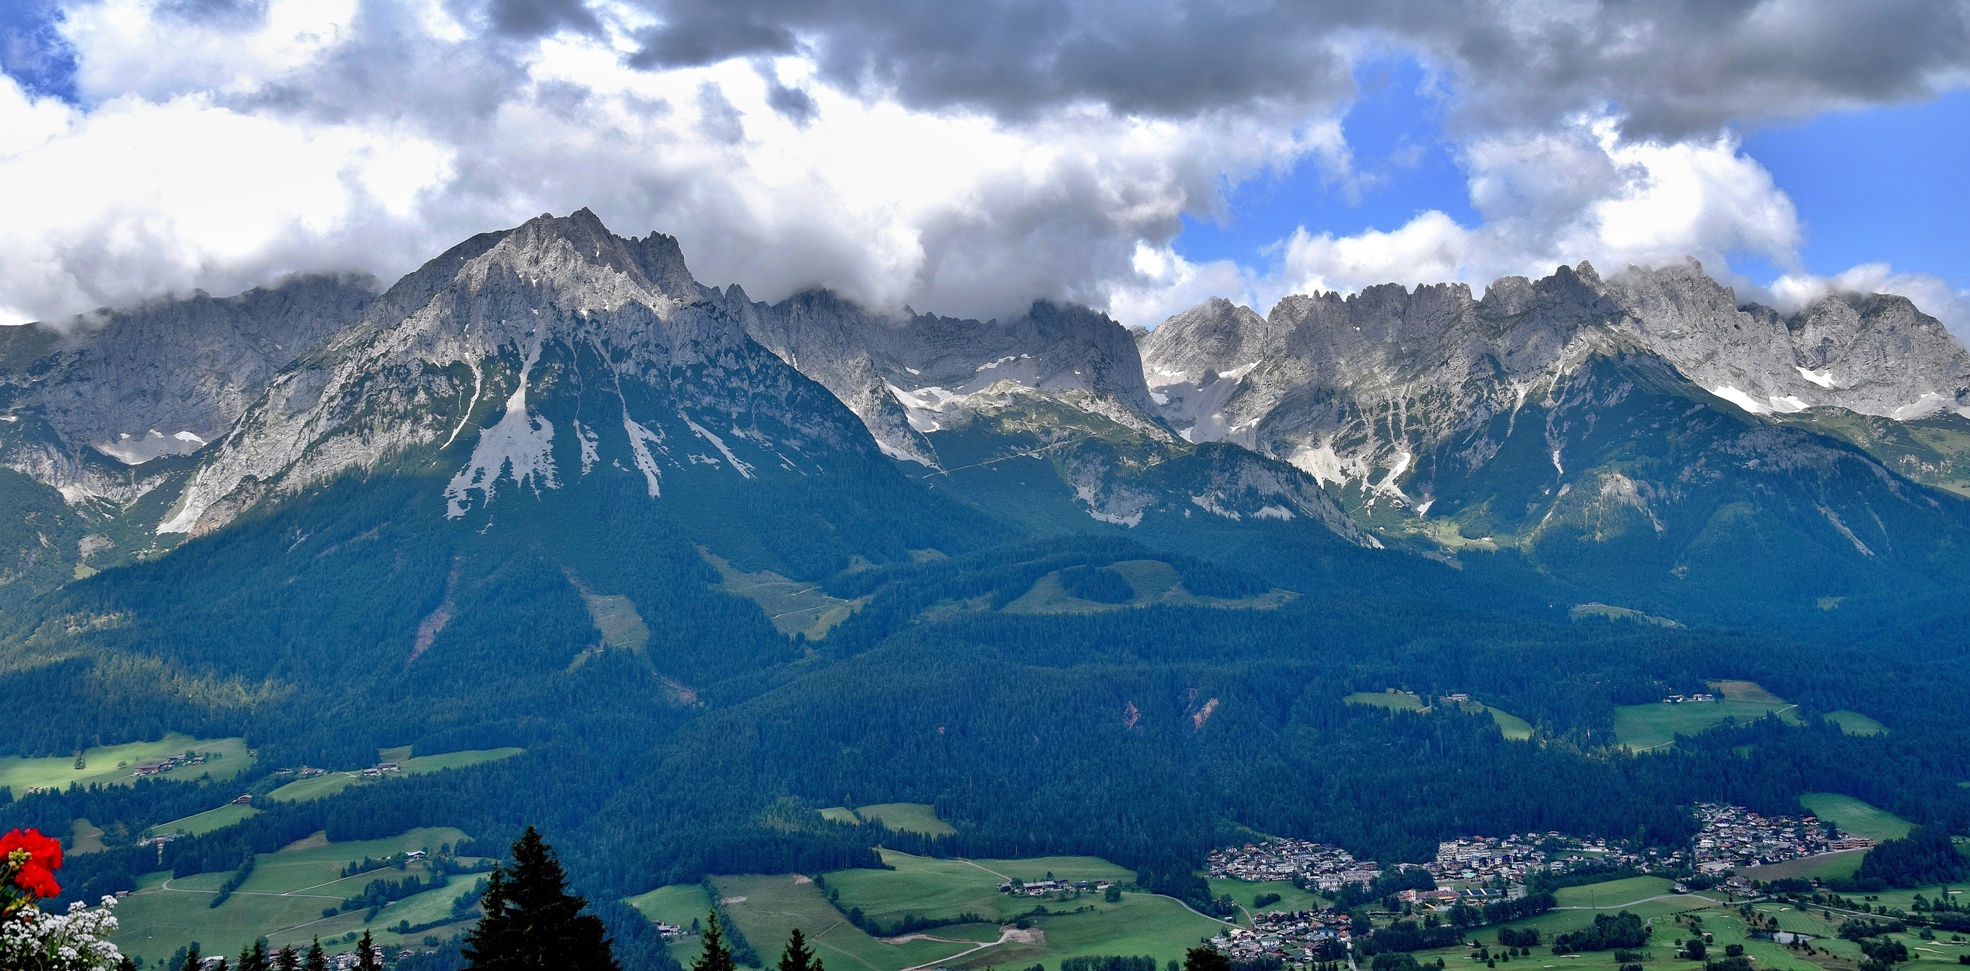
x=1323 y=463
x=741 y=467
x=590 y=443
x=1273 y=512
x=132 y=450
x=1740 y=399
x=640 y=440
x=520 y=443
x=1820 y=378
x=1557 y=467
x=1788 y=404
x=1209 y=504
x=10 y=418
x=1928 y=404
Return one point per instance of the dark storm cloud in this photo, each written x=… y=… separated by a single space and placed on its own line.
x=1673 y=67
x=795 y=104
x=538 y=18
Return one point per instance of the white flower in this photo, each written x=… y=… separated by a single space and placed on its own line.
x=77 y=941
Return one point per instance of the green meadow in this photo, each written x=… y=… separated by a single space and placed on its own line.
x=794 y=607
x=199 y=824
x=112 y=764
x=1856 y=816
x=1391 y=699
x=946 y=889
x=767 y=908
x=1291 y=898
x=323 y=786
x=283 y=900
x=1855 y=723
x=1152 y=581
x=1644 y=727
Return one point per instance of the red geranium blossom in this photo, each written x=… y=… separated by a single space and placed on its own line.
x=30 y=860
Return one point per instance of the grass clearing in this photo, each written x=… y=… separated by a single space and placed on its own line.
x=1391 y=699
x=116 y=764
x=793 y=606
x=283 y=900
x=1855 y=816
x=767 y=908
x=680 y=904
x=947 y=889
x=841 y=814
x=323 y=786
x=199 y=824
x=616 y=617
x=1824 y=866
x=1140 y=924
x=84 y=837
x=1600 y=611
x=1855 y=723
x=1644 y=727
x=1153 y=582
x=1614 y=893
x=908 y=817
x=1511 y=726
x=1291 y=898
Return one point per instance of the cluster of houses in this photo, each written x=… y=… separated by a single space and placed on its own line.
x=1040 y=888
x=1510 y=859
x=1326 y=868
x=1686 y=699
x=167 y=764
x=376 y=771
x=1733 y=837
x=1294 y=939
x=304 y=772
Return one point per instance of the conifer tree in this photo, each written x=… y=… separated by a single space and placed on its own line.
x=255 y=957
x=287 y=959
x=714 y=955
x=532 y=923
x=366 y=959
x=798 y=956
x=317 y=961
x=192 y=960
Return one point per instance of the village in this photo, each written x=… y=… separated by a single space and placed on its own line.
x=1040 y=888
x=1733 y=836
x=1324 y=868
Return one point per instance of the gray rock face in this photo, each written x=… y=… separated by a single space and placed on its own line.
x=161 y=379
x=910 y=376
x=1352 y=389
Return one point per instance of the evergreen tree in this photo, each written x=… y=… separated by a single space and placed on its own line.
x=317 y=961
x=1205 y=959
x=192 y=960
x=714 y=955
x=532 y=923
x=798 y=956
x=287 y=959
x=255 y=958
x=366 y=957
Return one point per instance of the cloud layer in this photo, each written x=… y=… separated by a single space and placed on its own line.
x=965 y=158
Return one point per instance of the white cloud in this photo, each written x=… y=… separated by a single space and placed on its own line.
x=1934 y=295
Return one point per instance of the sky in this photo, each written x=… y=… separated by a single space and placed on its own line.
x=1134 y=155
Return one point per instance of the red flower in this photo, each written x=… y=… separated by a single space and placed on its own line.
x=33 y=858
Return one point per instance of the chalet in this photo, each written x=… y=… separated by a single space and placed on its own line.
x=245 y=800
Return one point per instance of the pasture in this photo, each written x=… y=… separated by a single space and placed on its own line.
x=1614 y=893
x=282 y=901
x=323 y=786
x=1855 y=816
x=794 y=606
x=1391 y=699
x=1140 y=924
x=1825 y=866
x=1291 y=898
x=1643 y=727
x=908 y=817
x=1855 y=723
x=767 y=908
x=945 y=889
x=115 y=764
x=1152 y=581
x=199 y=824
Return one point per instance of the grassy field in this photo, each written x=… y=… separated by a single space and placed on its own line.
x=112 y=764
x=948 y=888
x=1825 y=866
x=1643 y=727
x=199 y=824
x=1614 y=893
x=1599 y=611
x=1856 y=816
x=1140 y=924
x=616 y=617
x=1511 y=726
x=84 y=837
x=766 y=909
x=1855 y=723
x=323 y=786
x=794 y=607
x=1391 y=699
x=283 y=900
x=1291 y=898
x=1154 y=582
x=678 y=904
x=841 y=814
x=908 y=817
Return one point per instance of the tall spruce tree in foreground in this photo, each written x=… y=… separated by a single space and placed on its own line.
x=714 y=955
x=367 y=958
x=798 y=956
x=532 y=923
x=317 y=960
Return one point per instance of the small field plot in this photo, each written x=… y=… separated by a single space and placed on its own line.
x=794 y=607
x=1291 y=898
x=84 y=837
x=1511 y=726
x=908 y=817
x=1614 y=893
x=323 y=786
x=1599 y=611
x=114 y=764
x=1855 y=723
x=1391 y=699
x=678 y=904
x=1644 y=727
x=927 y=888
x=767 y=909
x=1140 y=924
x=616 y=617
x=1855 y=816
x=1150 y=582
x=1824 y=866
x=283 y=899
x=840 y=814
x=200 y=824
x=1059 y=868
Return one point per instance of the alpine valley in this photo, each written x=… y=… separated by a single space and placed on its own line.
x=725 y=595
